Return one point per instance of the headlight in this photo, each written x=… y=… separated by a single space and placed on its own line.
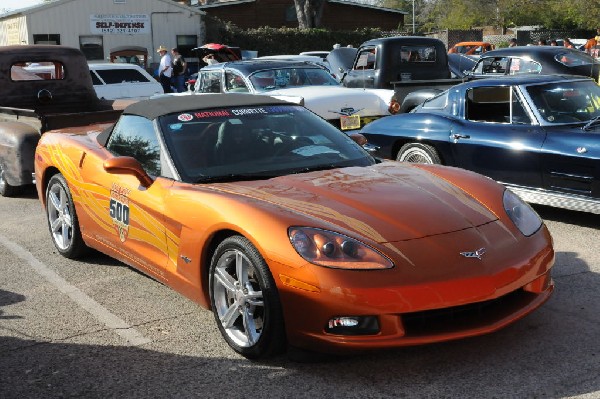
x=522 y=215
x=329 y=249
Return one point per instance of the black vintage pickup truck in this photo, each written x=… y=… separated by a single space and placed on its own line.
x=42 y=87
x=415 y=67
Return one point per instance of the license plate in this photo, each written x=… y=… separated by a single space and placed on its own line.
x=350 y=122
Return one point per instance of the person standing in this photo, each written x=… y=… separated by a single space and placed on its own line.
x=512 y=42
x=164 y=69
x=567 y=43
x=178 y=66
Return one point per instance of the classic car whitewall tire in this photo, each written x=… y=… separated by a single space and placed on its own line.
x=62 y=219
x=418 y=153
x=245 y=300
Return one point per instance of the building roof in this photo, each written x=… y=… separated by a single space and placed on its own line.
x=344 y=2
x=55 y=3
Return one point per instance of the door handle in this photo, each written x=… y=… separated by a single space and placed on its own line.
x=456 y=137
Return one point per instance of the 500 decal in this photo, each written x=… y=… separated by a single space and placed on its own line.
x=119 y=210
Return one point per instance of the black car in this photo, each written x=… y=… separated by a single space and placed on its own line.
x=543 y=60
x=537 y=134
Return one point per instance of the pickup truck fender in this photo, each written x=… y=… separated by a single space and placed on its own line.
x=417 y=97
x=17 y=148
x=386 y=96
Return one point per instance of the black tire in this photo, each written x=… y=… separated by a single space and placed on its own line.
x=250 y=300
x=418 y=153
x=6 y=190
x=62 y=219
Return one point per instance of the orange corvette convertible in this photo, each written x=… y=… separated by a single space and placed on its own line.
x=289 y=231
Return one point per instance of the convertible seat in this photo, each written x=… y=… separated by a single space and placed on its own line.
x=238 y=143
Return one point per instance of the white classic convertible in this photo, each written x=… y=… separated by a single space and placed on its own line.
x=304 y=83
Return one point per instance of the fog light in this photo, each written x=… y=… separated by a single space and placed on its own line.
x=353 y=325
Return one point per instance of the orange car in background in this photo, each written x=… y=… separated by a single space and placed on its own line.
x=288 y=230
x=471 y=48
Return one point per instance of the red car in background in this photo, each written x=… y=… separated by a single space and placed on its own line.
x=471 y=48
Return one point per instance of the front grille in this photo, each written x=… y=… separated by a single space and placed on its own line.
x=465 y=317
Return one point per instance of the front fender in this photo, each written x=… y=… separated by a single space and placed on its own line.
x=17 y=148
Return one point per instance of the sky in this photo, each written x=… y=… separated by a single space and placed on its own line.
x=11 y=5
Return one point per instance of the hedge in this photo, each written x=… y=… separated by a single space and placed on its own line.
x=273 y=41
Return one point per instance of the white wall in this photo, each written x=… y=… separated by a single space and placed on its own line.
x=71 y=19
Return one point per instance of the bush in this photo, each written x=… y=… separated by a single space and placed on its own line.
x=273 y=41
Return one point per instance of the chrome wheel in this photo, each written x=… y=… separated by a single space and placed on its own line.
x=245 y=300
x=418 y=153
x=238 y=298
x=62 y=219
x=59 y=217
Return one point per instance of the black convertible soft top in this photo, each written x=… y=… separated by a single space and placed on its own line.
x=153 y=108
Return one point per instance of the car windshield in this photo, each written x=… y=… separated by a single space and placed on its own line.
x=566 y=102
x=273 y=79
x=249 y=143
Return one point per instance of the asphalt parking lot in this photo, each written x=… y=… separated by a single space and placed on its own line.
x=96 y=328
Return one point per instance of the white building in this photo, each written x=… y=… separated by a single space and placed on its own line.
x=97 y=26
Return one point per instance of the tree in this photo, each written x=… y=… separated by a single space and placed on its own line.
x=309 y=13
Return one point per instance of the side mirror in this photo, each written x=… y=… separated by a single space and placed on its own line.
x=128 y=166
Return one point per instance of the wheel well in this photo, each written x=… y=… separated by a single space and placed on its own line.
x=48 y=173
x=399 y=143
x=206 y=257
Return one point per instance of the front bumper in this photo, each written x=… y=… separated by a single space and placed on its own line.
x=413 y=308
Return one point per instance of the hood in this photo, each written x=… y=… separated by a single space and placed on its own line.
x=341 y=59
x=332 y=101
x=400 y=202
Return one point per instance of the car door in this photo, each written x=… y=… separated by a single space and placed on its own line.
x=130 y=221
x=498 y=137
x=571 y=161
x=363 y=71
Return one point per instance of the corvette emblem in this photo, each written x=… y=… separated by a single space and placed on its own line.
x=477 y=254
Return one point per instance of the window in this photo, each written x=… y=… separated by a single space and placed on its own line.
x=185 y=45
x=235 y=82
x=417 y=54
x=135 y=137
x=46 y=39
x=492 y=65
x=209 y=82
x=113 y=76
x=41 y=70
x=95 y=79
x=488 y=104
x=438 y=102
x=290 y=14
x=92 y=47
x=518 y=115
x=520 y=66
x=365 y=59
x=574 y=58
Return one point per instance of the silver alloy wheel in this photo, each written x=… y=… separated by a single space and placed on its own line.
x=416 y=155
x=59 y=216
x=238 y=298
